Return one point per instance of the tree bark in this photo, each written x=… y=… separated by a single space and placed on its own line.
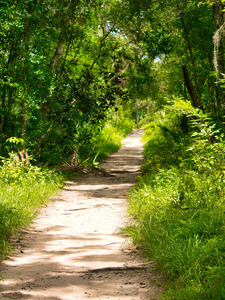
x=219 y=64
x=10 y=104
x=117 y=112
x=218 y=21
x=190 y=88
x=11 y=59
x=25 y=74
x=58 y=53
x=187 y=39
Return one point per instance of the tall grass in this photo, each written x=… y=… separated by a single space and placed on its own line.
x=178 y=208
x=108 y=139
x=23 y=190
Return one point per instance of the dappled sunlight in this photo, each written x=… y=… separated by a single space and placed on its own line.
x=75 y=249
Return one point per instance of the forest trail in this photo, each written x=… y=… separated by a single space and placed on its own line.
x=75 y=248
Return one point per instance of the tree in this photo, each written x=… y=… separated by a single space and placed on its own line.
x=58 y=70
x=63 y=64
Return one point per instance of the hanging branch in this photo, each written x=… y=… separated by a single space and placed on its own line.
x=101 y=42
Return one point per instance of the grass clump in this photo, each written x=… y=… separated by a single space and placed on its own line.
x=178 y=208
x=23 y=190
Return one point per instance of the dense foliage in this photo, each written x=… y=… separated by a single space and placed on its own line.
x=60 y=70
x=63 y=64
x=23 y=190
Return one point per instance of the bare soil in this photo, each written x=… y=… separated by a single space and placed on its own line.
x=75 y=249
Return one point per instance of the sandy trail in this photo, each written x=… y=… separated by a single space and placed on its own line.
x=75 y=249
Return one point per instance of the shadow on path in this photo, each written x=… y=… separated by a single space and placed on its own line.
x=75 y=249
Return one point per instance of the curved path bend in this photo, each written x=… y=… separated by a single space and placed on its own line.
x=75 y=248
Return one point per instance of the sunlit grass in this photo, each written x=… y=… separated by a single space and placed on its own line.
x=178 y=212
x=20 y=202
x=108 y=140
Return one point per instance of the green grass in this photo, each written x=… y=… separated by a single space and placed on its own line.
x=188 y=244
x=178 y=212
x=108 y=140
x=21 y=196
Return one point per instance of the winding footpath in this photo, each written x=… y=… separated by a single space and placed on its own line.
x=75 y=249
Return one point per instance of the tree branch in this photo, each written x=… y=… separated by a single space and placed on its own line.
x=100 y=47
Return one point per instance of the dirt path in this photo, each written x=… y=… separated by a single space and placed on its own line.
x=75 y=249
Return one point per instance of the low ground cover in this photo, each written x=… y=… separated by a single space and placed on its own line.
x=23 y=190
x=178 y=207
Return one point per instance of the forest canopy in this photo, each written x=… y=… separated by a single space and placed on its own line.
x=64 y=64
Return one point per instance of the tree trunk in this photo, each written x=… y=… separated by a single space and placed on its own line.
x=10 y=103
x=186 y=37
x=218 y=16
x=2 y=117
x=58 y=53
x=117 y=112
x=190 y=88
x=25 y=90
x=10 y=60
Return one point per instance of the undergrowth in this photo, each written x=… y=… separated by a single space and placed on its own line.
x=107 y=139
x=178 y=208
x=23 y=190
